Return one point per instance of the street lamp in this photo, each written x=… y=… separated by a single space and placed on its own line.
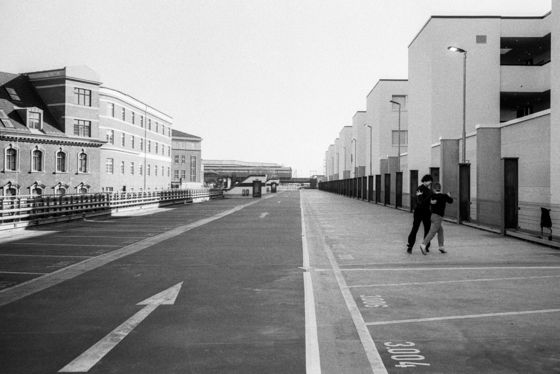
x=399 y=132
x=355 y=157
x=464 y=52
x=370 y=146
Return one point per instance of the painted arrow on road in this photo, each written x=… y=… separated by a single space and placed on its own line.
x=92 y=356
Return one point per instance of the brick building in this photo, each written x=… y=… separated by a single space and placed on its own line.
x=187 y=162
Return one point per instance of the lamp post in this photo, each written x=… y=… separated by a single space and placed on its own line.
x=370 y=148
x=355 y=157
x=399 y=133
x=464 y=52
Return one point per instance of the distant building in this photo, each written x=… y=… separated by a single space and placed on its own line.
x=225 y=173
x=62 y=132
x=187 y=162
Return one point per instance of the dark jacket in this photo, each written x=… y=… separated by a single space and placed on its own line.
x=423 y=200
x=438 y=201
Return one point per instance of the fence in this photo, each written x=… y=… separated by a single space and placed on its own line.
x=25 y=210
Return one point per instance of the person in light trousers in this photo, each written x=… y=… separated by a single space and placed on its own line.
x=438 y=201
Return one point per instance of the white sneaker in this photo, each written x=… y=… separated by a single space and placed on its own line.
x=423 y=248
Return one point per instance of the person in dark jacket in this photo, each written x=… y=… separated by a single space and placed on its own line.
x=422 y=212
x=437 y=202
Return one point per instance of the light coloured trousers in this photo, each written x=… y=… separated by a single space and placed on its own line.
x=435 y=228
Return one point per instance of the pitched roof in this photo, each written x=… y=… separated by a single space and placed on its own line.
x=180 y=134
x=25 y=97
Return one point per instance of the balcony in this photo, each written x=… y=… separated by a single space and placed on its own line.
x=525 y=78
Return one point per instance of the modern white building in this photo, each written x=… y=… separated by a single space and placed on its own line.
x=359 y=144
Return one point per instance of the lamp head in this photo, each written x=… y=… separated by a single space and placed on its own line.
x=456 y=49
x=395 y=102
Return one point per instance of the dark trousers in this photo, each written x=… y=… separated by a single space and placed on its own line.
x=419 y=217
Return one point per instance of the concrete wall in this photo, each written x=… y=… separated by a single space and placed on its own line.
x=346 y=145
x=449 y=173
x=361 y=148
x=489 y=177
x=555 y=117
x=527 y=139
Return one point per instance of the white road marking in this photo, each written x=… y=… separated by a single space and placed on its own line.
x=46 y=256
x=452 y=268
x=92 y=356
x=65 y=245
x=468 y=316
x=375 y=361
x=21 y=272
x=35 y=285
x=346 y=257
x=451 y=281
x=312 y=354
x=263 y=215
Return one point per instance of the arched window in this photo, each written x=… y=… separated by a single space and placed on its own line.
x=37 y=160
x=36 y=191
x=82 y=162
x=11 y=159
x=61 y=162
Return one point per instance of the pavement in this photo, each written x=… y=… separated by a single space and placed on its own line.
x=491 y=304
x=295 y=282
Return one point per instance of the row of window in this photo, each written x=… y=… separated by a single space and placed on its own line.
x=111 y=140
x=183 y=175
x=158 y=127
x=11 y=161
x=38 y=190
x=157 y=170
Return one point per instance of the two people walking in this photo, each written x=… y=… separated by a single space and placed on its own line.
x=430 y=210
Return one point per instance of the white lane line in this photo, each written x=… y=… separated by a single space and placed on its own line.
x=35 y=285
x=468 y=316
x=263 y=215
x=312 y=353
x=452 y=268
x=21 y=272
x=451 y=281
x=26 y=255
x=65 y=245
x=375 y=361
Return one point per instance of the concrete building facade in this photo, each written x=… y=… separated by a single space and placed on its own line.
x=359 y=144
x=186 y=153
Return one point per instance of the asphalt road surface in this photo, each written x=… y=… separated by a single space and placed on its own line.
x=295 y=282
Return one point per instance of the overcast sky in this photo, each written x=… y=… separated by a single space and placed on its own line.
x=258 y=80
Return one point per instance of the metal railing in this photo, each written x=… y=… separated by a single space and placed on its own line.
x=23 y=210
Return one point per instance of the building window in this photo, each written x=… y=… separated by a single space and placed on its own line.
x=149 y=124
x=169 y=151
x=176 y=159
x=36 y=190
x=111 y=109
x=481 y=39
x=141 y=144
x=155 y=170
x=401 y=99
x=133 y=118
x=34 y=120
x=111 y=136
x=183 y=174
x=157 y=147
x=404 y=137
x=175 y=174
x=148 y=169
x=60 y=162
x=149 y=145
x=169 y=132
x=140 y=169
x=82 y=128
x=193 y=169
x=109 y=165
x=122 y=167
x=157 y=126
x=168 y=171
x=82 y=163
x=183 y=159
x=132 y=168
x=37 y=160
x=11 y=159
x=83 y=96
x=123 y=114
x=123 y=139
x=163 y=129
x=132 y=141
